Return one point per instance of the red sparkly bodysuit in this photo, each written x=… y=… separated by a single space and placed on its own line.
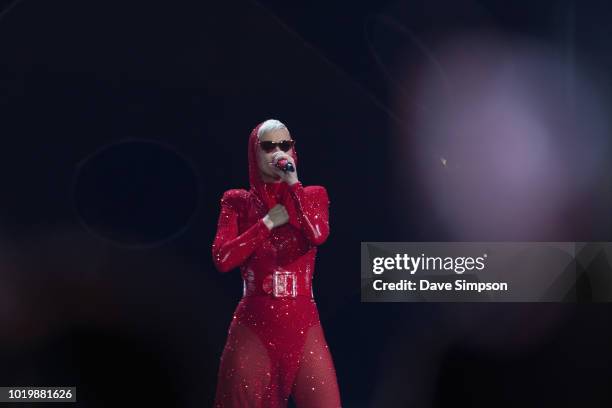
x=276 y=346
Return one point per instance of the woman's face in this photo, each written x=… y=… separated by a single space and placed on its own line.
x=263 y=157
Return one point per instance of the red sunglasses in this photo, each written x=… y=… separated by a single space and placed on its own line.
x=284 y=145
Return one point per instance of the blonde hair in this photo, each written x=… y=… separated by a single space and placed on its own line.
x=268 y=125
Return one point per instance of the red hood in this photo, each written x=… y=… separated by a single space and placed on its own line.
x=258 y=187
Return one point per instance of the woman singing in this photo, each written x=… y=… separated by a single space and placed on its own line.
x=275 y=346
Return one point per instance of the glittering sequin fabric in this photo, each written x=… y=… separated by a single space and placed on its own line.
x=275 y=347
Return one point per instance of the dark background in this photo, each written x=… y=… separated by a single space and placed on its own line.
x=123 y=123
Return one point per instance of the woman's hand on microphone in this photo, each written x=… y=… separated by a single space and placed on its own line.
x=289 y=177
x=276 y=217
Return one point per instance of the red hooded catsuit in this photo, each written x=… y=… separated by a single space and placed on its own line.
x=275 y=346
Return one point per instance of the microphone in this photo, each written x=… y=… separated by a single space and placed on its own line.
x=285 y=165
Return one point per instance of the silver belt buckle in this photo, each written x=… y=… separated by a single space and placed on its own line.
x=284 y=284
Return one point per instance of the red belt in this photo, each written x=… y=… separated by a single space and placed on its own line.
x=279 y=284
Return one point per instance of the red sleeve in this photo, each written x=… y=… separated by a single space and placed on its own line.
x=312 y=206
x=229 y=249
